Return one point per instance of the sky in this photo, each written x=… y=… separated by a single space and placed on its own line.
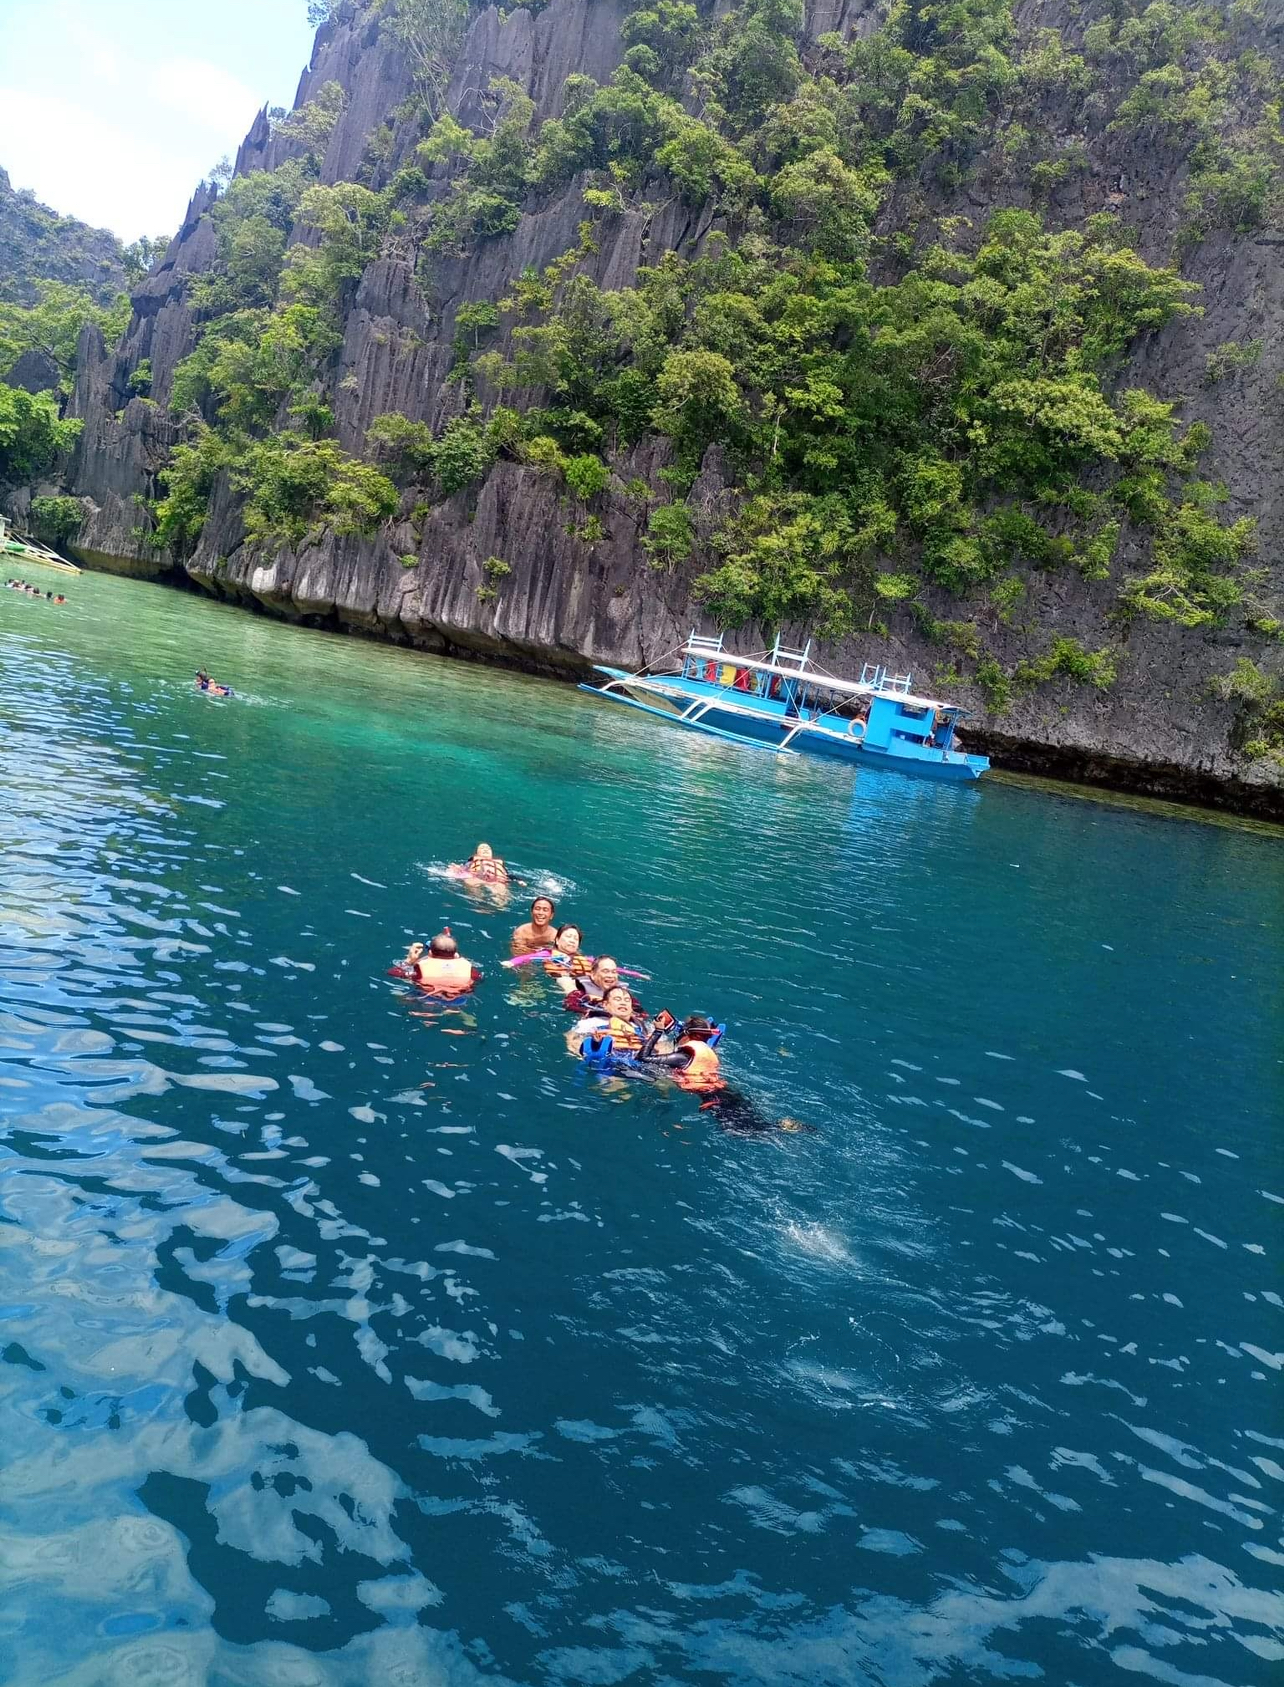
x=113 y=110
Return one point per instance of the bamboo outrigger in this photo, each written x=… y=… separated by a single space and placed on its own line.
x=29 y=550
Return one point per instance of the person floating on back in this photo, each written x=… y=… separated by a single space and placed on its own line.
x=484 y=864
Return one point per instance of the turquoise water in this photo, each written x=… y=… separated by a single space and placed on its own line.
x=350 y=1338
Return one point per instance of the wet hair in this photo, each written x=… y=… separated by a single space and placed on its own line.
x=569 y=926
x=552 y=906
x=480 y=847
x=443 y=947
x=604 y=960
x=620 y=989
x=696 y=1025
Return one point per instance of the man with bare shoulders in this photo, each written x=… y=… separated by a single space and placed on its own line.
x=539 y=931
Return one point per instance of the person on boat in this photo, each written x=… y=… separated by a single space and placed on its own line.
x=567 y=965
x=443 y=969
x=538 y=932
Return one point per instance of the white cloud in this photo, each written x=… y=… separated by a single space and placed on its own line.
x=87 y=167
x=205 y=96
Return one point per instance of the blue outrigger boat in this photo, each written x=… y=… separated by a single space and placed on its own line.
x=779 y=701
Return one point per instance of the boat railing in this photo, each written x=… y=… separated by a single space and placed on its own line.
x=877 y=678
x=779 y=653
x=700 y=645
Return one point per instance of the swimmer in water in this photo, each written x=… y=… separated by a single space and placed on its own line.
x=616 y=1016
x=443 y=969
x=205 y=683
x=538 y=932
x=692 y=1063
x=591 y=988
x=566 y=965
x=484 y=864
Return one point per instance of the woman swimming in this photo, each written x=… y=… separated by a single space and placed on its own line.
x=566 y=964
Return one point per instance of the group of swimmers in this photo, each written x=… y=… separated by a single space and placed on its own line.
x=34 y=591
x=613 y=1031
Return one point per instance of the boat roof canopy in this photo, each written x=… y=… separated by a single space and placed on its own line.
x=792 y=664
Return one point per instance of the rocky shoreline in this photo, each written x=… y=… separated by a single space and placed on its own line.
x=1065 y=763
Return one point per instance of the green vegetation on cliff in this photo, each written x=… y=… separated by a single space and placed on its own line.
x=896 y=406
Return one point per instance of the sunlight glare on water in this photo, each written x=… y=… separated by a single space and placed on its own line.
x=350 y=1337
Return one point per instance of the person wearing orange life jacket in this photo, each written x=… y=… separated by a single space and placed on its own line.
x=621 y=1021
x=566 y=964
x=443 y=969
x=486 y=865
x=694 y=1066
x=693 y=1063
x=616 y=1018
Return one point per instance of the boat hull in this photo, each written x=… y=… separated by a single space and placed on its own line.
x=774 y=730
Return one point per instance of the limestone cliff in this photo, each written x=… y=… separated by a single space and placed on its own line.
x=571 y=600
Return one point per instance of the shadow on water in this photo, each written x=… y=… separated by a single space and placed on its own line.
x=352 y=1337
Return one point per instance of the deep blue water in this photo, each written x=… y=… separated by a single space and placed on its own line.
x=351 y=1339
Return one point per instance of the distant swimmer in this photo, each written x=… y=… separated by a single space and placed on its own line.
x=538 y=932
x=205 y=683
x=441 y=968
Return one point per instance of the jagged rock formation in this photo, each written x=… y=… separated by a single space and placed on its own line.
x=36 y=244
x=568 y=602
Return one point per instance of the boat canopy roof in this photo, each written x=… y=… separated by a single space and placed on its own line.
x=792 y=664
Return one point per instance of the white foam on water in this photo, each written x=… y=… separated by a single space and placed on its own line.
x=818 y=1241
x=373 y=882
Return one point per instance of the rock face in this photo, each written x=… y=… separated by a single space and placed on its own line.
x=568 y=602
